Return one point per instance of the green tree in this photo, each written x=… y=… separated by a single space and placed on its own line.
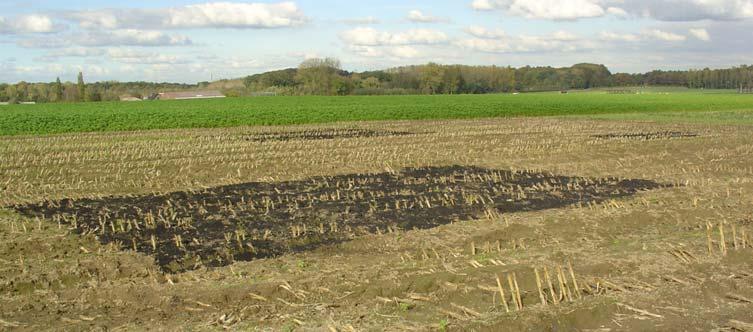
x=12 y=93
x=453 y=81
x=58 y=90
x=320 y=76
x=81 y=87
x=431 y=78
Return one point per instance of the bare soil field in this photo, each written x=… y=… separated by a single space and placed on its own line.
x=478 y=225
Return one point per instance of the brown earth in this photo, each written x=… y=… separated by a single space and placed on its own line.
x=642 y=259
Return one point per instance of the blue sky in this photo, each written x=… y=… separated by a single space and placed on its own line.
x=190 y=41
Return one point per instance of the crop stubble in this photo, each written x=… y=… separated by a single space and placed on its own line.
x=633 y=256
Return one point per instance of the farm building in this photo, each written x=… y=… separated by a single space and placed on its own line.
x=190 y=95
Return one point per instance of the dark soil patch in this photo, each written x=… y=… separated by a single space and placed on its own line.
x=647 y=136
x=322 y=134
x=214 y=227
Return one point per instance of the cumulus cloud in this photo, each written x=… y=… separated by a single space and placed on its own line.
x=372 y=43
x=483 y=5
x=664 y=35
x=78 y=52
x=130 y=56
x=700 y=34
x=125 y=37
x=239 y=15
x=545 y=9
x=613 y=36
x=481 y=32
x=24 y=24
x=691 y=10
x=133 y=37
x=616 y=11
x=417 y=16
x=485 y=41
x=371 y=37
x=663 y=10
x=398 y=52
x=562 y=35
x=645 y=35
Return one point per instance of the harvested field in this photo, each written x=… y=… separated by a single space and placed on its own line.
x=602 y=234
x=218 y=226
x=322 y=134
x=647 y=136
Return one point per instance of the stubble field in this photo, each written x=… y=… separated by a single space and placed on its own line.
x=513 y=224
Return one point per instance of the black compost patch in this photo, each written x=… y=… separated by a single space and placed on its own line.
x=214 y=227
x=322 y=134
x=647 y=136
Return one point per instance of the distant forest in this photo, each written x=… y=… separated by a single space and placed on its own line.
x=326 y=77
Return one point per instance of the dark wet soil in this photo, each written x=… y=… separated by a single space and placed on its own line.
x=322 y=135
x=216 y=226
x=647 y=136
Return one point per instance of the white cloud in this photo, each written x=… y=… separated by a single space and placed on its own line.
x=557 y=41
x=125 y=37
x=372 y=37
x=133 y=37
x=372 y=43
x=700 y=34
x=545 y=9
x=481 y=32
x=25 y=24
x=663 y=10
x=73 y=52
x=417 y=16
x=613 y=36
x=664 y=35
x=483 y=5
x=619 y=12
x=645 y=35
x=562 y=35
x=396 y=52
x=45 y=72
x=130 y=56
x=206 y=15
x=404 y=52
x=691 y=10
x=486 y=45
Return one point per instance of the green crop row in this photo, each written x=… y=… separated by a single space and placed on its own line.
x=125 y=116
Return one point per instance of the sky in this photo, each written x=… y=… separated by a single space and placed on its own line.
x=193 y=41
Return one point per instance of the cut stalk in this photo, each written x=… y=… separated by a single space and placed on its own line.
x=538 y=286
x=502 y=294
x=550 y=285
x=575 y=281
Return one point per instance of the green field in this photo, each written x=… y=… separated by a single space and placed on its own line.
x=120 y=116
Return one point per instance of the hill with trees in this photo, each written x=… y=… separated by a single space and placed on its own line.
x=326 y=77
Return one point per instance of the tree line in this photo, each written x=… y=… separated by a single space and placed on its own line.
x=326 y=77
x=80 y=91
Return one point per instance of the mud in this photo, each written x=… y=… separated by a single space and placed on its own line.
x=217 y=226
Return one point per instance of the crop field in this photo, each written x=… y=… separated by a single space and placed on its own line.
x=119 y=116
x=601 y=222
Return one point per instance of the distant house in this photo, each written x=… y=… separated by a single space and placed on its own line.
x=190 y=95
x=129 y=98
